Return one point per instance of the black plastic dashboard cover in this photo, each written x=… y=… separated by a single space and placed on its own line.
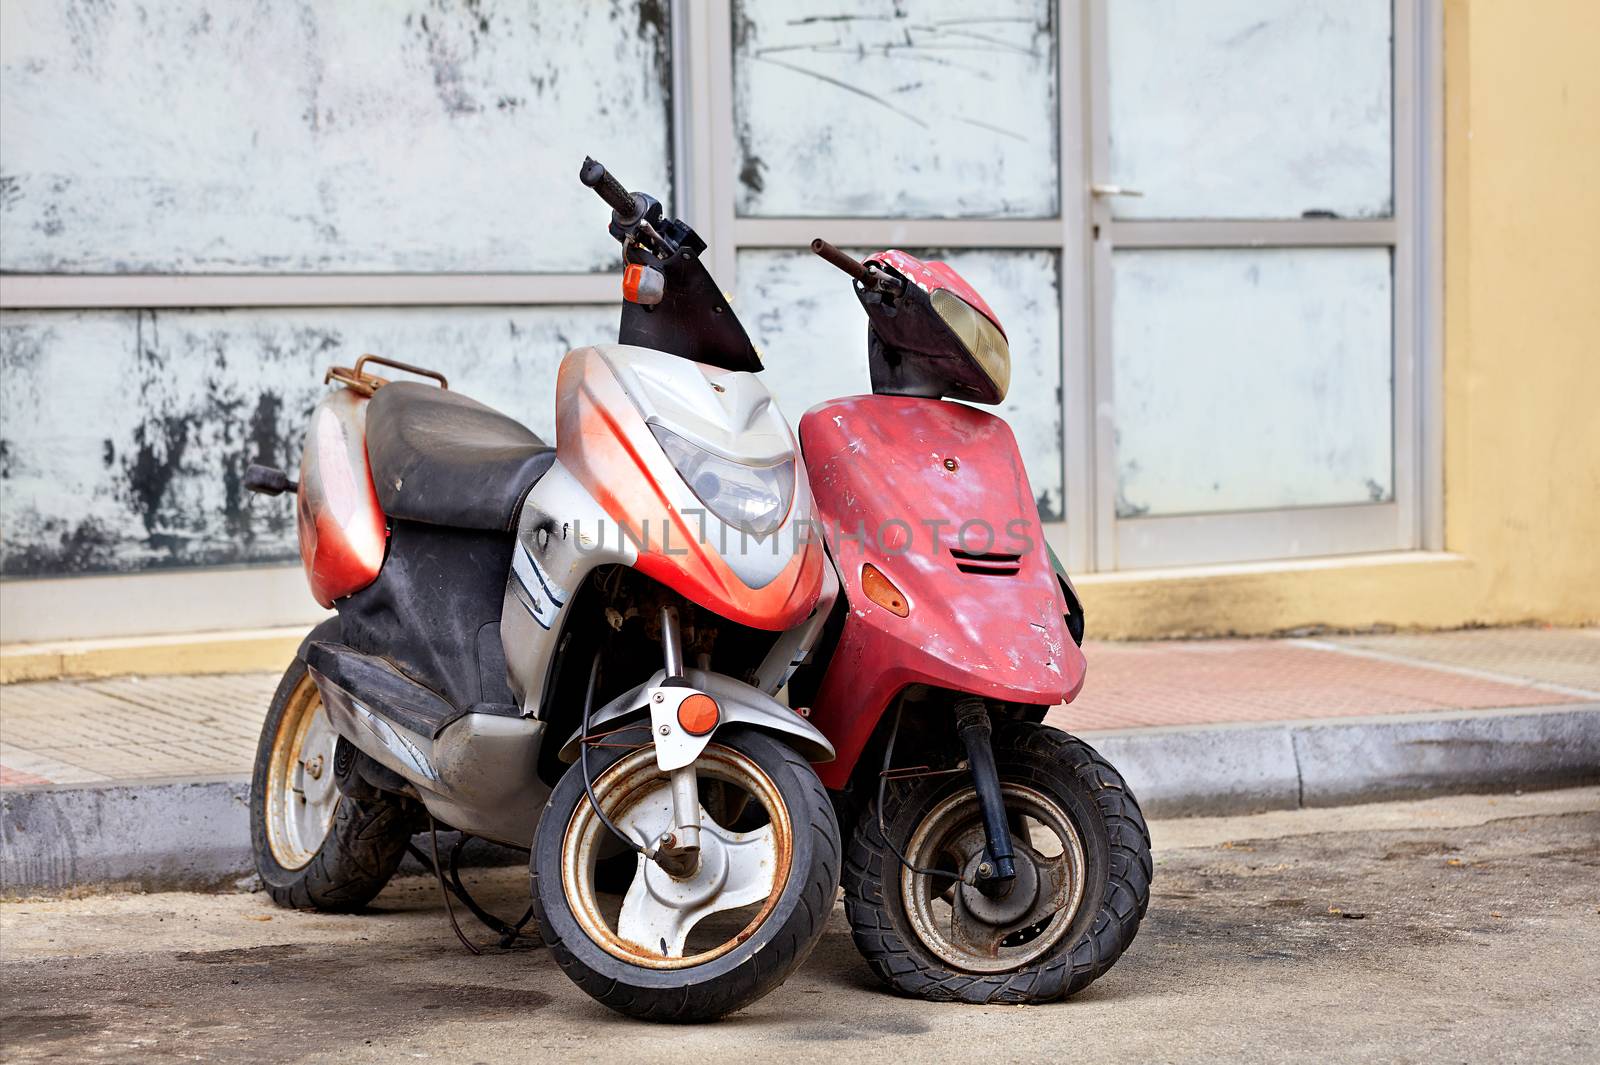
x=693 y=319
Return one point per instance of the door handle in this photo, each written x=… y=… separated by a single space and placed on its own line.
x=1114 y=190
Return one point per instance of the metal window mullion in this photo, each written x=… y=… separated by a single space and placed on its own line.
x=900 y=232
x=718 y=227
x=1404 y=441
x=1428 y=230
x=92 y=291
x=1103 y=410
x=1250 y=233
x=686 y=107
x=1077 y=264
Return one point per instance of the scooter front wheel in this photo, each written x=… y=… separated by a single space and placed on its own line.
x=696 y=946
x=1082 y=884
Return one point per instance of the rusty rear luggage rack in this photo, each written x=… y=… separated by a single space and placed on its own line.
x=357 y=380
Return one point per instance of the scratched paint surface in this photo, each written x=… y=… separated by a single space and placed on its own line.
x=364 y=135
x=812 y=333
x=1251 y=378
x=124 y=434
x=1251 y=108
x=888 y=109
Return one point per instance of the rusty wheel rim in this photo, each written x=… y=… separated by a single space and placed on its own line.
x=970 y=932
x=302 y=797
x=633 y=792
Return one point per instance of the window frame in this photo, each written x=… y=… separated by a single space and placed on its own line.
x=704 y=173
x=1409 y=521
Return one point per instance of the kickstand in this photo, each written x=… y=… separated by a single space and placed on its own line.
x=509 y=933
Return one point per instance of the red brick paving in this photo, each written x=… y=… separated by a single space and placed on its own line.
x=83 y=732
x=1190 y=682
x=16 y=778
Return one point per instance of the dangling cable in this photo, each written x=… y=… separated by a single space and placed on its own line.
x=883 y=780
x=583 y=764
x=444 y=892
x=509 y=933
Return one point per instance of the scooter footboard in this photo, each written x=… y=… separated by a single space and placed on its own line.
x=472 y=770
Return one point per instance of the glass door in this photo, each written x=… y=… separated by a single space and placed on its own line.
x=1254 y=229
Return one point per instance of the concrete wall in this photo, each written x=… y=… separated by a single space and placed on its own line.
x=193 y=137
x=1521 y=368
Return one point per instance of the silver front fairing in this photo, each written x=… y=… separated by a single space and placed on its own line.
x=564 y=533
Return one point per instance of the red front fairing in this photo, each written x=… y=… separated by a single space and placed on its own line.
x=902 y=483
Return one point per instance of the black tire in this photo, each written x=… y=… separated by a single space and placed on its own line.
x=362 y=849
x=749 y=970
x=1118 y=873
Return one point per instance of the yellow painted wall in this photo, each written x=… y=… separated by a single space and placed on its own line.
x=1521 y=367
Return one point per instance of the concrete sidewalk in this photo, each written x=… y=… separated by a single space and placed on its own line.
x=1458 y=929
x=143 y=779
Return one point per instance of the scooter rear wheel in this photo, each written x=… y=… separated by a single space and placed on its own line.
x=316 y=848
x=697 y=947
x=1083 y=883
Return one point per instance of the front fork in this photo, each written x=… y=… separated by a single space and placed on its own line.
x=998 y=867
x=678 y=852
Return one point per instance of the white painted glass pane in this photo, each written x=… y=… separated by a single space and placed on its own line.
x=358 y=136
x=812 y=333
x=1251 y=108
x=1252 y=379
x=932 y=109
x=126 y=432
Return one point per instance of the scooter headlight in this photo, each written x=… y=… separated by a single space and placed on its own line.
x=755 y=499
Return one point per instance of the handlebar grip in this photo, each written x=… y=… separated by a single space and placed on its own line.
x=837 y=258
x=611 y=190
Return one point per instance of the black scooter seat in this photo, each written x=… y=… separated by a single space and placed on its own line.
x=441 y=458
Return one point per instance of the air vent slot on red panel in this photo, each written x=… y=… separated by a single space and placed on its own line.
x=988 y=563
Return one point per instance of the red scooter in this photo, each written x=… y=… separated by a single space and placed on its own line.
x=583 y=651
x=990 y=857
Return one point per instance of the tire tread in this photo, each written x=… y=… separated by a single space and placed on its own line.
x=1061 y=975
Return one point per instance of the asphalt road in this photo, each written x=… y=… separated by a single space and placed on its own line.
x=1463 y=929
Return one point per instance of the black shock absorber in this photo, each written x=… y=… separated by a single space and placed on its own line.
x=999 y=867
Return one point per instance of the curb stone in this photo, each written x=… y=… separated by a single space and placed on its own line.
x=194 y=834
x=1219 y=770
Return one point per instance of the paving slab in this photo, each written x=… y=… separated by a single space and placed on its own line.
x=143 y=780
x=165 y=727
x=1566 y=657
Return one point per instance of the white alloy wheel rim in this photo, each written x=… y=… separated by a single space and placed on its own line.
x=969 y=932
x=302 y=796
x=658 y=913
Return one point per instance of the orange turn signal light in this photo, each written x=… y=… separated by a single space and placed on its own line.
x=881 y=590
x=698 y=714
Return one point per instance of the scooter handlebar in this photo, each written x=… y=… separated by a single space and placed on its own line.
x=835 y=257
x=609 y=189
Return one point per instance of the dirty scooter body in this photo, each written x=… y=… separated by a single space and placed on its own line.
x=989 y=857
x=573 y=650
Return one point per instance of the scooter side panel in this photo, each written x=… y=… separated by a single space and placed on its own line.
x=561 y=536
x=934 y=496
